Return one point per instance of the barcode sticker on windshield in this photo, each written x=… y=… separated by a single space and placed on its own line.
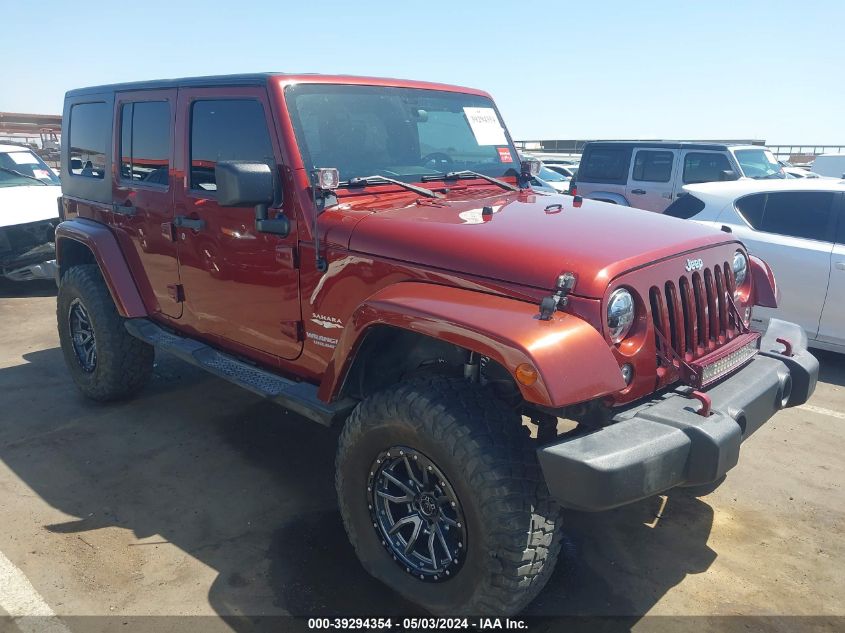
x=23 y=158
x=485 y=126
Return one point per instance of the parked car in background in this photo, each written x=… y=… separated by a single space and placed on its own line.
x=567 y=170
x=650 y=174
x=794 y=171
x=798 y=228
x=832 y=165
x=29 y=191
x=547 y=180
x=554 y=179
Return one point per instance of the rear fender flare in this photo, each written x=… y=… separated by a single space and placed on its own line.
x=573 y=361
x=607 y=196
x=103 y=245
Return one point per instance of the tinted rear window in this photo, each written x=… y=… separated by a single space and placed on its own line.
x=89 y=133
x=685 y=207
x=802 y=214
x=145 y=142
x=605 y=164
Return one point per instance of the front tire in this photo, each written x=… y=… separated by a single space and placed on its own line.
x=105 y=361
x=484 y=502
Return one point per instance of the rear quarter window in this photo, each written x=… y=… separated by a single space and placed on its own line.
x=89 y=137
x=685 y=207
x=605 y=165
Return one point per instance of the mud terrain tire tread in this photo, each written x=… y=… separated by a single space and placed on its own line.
x=124 y=363
x=491 y=449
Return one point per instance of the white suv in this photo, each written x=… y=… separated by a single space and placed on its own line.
x=650 y=174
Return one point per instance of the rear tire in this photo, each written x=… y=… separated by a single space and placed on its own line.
x=502 y=509
x=105 y=361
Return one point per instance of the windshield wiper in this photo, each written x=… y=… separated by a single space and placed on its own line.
x=466 y=173
x=363 y=181
x=22 y=175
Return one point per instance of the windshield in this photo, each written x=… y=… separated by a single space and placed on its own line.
x=759 y=163
x=28 y=166
x=401 y=133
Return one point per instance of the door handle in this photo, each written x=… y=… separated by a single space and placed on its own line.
x=184 y=222
x=639 y=192
x=127 y=208
x=840 y=265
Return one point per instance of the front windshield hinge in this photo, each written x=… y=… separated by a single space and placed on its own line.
x=323 y=183
x=559 y=300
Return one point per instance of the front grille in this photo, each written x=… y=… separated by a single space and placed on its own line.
x=693 y=313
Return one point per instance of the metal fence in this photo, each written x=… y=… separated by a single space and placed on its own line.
x=797 y=153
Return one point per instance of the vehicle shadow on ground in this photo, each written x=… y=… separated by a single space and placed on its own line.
x=831 y=367
x=248 y=490
x=14 y=289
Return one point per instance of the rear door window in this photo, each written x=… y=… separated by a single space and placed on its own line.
x=799 y=214
x=653 y=166
x=802 y=214
x=145 y=142
x=704 y=167
x=230 y=129
x=605 y=165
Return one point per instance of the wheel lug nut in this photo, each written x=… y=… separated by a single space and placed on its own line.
x=415 y=458
x=459 y=525
x=429 y=468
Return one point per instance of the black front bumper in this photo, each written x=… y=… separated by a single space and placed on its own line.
x=665 y=443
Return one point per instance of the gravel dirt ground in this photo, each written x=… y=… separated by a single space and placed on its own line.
x=199 y=498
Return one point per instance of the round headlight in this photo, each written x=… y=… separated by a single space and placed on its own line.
x=740 y=268
x=620 y=314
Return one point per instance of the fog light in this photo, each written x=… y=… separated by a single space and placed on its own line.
x=627 y=373
x=526 y=374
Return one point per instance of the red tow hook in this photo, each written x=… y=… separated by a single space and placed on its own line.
x=787 y=346
x=704 y=399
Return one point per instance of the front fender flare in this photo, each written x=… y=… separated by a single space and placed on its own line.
x=573 y=361
x=766 y=291
x=103 y=245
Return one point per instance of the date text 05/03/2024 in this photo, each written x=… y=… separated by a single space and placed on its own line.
x=481 y=624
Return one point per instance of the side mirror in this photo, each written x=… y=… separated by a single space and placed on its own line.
x=243 y=183
x=728 y=174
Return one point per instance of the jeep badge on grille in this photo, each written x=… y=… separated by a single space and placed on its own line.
x=694 y=264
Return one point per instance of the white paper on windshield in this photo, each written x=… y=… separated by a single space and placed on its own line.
x=23 y=158
x=485 y=126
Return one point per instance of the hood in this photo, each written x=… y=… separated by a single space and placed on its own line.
x=22 y=205
x=529 y=239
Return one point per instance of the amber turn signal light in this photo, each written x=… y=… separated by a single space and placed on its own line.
x=526 y=374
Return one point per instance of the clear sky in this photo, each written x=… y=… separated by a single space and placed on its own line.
x=591 y=69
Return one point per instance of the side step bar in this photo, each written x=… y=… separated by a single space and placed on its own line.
x=299 y=397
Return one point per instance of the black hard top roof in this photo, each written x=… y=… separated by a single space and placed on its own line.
x=251 y=79
x=665 y=144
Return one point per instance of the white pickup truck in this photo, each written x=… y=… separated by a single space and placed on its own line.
x=29 y=213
